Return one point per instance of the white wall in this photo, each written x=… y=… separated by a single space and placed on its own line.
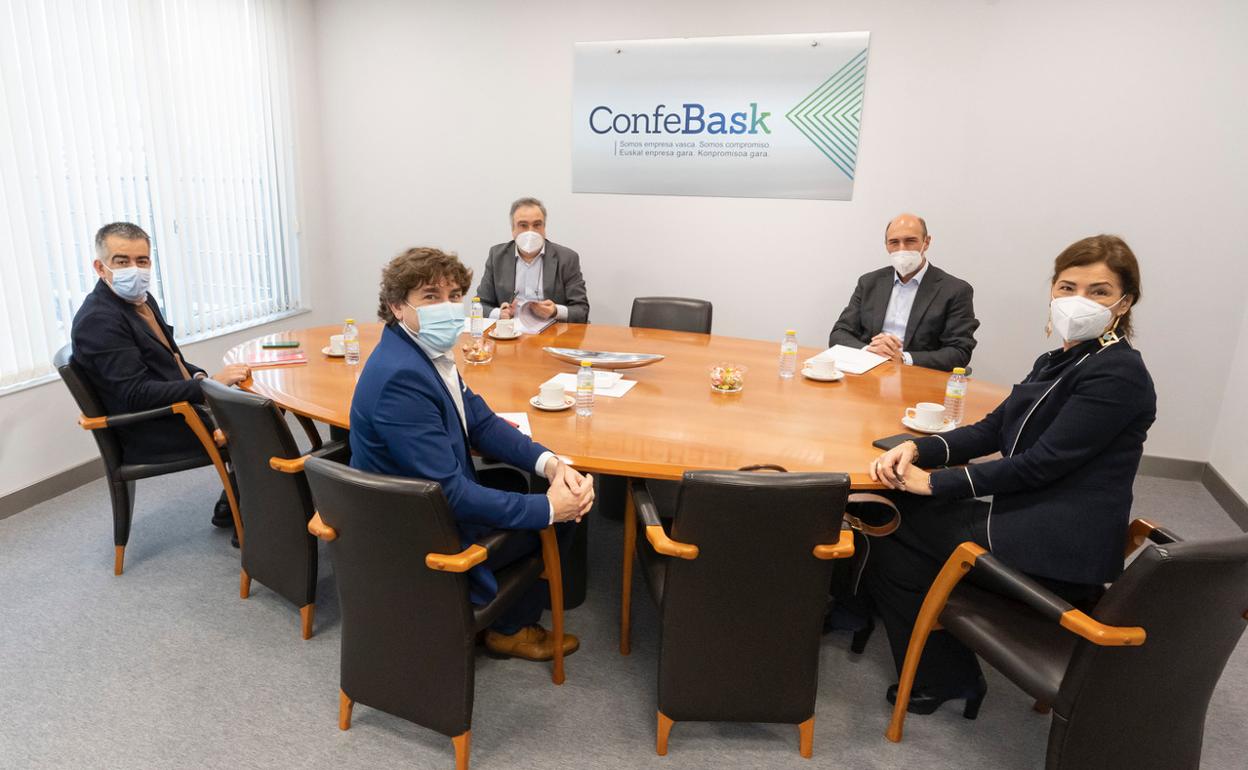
x=39 y=437
x=1013 y=127
x=1230 y=455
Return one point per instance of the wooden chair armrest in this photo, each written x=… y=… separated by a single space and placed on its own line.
x=1143 y=529
x=457 y=562
x=122 y=420
x=841 y=549
x=1023 y=589
x=668 y=547
x=648 y=513
x=1098 y=633
x=318 y=528
x=288 y=466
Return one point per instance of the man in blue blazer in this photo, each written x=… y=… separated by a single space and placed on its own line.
x=412 y=415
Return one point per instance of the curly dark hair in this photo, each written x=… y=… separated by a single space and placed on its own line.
x=415 y=268
x=1117 y=256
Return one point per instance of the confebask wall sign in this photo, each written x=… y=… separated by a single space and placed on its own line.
x=763 y=116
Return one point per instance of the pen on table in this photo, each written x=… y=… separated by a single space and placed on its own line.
x=512 y=424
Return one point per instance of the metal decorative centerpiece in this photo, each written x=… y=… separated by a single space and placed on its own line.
x=604 y=359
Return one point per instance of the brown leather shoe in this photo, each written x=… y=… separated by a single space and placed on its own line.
x=530 y=643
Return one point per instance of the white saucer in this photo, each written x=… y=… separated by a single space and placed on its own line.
x=810 y=375
x=327 y=352
x=912 y=425
x=568 y=402
x=514 y=335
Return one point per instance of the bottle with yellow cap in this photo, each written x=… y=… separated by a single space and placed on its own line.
x=955 y=397
x=788 y=355
x=351 y=342
x=476 y=319
x=585 y=390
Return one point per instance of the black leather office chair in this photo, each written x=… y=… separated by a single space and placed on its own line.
x=121 y=475
x=741 y=583
x=1129 y=683
x=408 y=627
x=680 y=314
x=275 y=502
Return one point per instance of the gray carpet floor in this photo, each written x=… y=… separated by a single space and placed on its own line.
x=165 y=667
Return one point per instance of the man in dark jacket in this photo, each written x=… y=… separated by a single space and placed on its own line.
x=128 y=352
x=911 y=311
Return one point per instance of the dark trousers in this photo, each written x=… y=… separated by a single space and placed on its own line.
x=527 y=610
x=902 y=566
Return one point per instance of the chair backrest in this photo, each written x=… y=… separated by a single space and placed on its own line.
x=742 y=623
x=678 y=314
x=275 y=506
x=407 y=630
x=1145 y=706
x=89 y=404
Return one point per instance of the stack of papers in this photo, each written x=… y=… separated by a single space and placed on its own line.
x=852 y=360
x=609 y=384
x=529 y=322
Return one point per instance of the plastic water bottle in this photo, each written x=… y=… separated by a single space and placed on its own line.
x=474 y=327
x=585 y=390
x=351 y=342
x=955 y=396
x=788 y=354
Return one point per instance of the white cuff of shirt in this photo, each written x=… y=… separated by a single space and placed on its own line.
x=561 y=312
x=907 y=358
x=494 y=313
x=541 y=463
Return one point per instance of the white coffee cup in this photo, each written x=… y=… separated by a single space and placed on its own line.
x=551 y=394
x=336 y=346
x=927 y=415
x=505 y=327
x=822 y=367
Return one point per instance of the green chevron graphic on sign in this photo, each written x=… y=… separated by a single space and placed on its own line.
x=832 y=114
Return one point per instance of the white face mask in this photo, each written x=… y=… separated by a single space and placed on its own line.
x=1077 y=318
x=530 y=241
x=906 y=262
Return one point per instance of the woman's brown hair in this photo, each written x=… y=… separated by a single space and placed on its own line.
x=415 y=268
x=1117 y=255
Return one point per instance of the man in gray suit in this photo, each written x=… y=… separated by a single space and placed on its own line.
x=912 y=311
x=531 y=269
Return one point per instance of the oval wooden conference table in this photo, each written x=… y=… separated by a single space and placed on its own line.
x=671 y=421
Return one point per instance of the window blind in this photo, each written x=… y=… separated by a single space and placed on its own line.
x=174 y=115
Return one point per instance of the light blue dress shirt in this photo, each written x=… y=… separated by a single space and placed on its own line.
x=899 y=304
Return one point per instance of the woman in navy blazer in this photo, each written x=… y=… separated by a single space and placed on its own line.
x=1070 y=436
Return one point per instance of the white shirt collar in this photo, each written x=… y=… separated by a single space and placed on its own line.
x=918 y=277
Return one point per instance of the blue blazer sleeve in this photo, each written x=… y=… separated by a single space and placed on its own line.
x=492 y=436
x=408 y=420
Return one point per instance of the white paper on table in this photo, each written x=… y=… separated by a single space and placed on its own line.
x=527 y=321
x=618 y=385
x=852 y=360
x=521 y=421
x=485 y=325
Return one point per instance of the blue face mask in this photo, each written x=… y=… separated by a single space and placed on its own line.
x=440 y=324
x=130 y=283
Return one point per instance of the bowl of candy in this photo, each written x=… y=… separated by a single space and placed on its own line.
x=478 y=350
x=727 y=378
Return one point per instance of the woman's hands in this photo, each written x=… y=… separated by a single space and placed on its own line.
x=895 y=469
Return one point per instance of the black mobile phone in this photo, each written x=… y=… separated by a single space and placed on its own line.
x=280 y=344
x=889 y=442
